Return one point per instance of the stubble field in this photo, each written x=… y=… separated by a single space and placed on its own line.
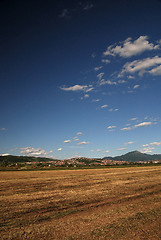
x=111 y=203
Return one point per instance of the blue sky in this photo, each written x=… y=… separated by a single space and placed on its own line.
x=80 y=78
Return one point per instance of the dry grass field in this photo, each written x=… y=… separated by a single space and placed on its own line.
x=111 y=203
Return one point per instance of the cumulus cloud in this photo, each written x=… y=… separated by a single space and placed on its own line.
x=146 y=150
x=129 y=48
x=136 y=86
x=74 y=88
x=156 y=71
x=3 y=129
x=121 y=149
x=76 y=139
x=83 y=143
x=155 y=143
x=121 y=81
x=64 y=13
x=145 y=145
x=89 y=89
x=95 y=100
x=143 y=124
x=79 y=133
x=98 y=68
x=93 y=55
x=100 y=75
x=128 y=143
x=103 y=82
x=133 y=119
x=113 y=110
x=67 y=141
x=88 y=6
x=104 y=106
x=126 y=129
x=107 y=151
x=141 y=66
x=86 y=96
x=111 y=127
x=34 y=152
x=105 y=61
x=130 y=77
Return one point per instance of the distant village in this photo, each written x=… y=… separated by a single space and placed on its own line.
x=82 y=161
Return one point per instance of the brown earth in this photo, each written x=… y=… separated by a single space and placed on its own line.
x=111 y=203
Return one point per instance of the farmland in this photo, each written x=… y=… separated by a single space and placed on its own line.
x=109 y=203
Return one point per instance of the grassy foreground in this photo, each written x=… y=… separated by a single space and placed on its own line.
x=116 y=203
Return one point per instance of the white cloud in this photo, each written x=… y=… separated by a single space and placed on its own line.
x=89 y=89
x=93 y=55
x=83 y=143
x=145 y=145
x=67 y=141
x=95 y=100
x=107 y=151
x=136 y=86
x=156 y=71
x=88 y=6
x=3 y=129
x=126 y=129
x=103 y=82
x=76 y=139
x=121 y=81
x=59 y=149
x=100 y=75
x=34 y=152
x=79 y=133
x=111 y=127
x=143 y=124
x=64 y=13
x=141 y=66
x=128 y=143
x=113 y=110
x=98 y=68
x=98 y=150
x=105 y=61
x=130 y=77
x=121 y=149
x=146 y=150
x=155 y=144
x=128 y=48
x=74 y=88
x=133 y=119
x=104 y=106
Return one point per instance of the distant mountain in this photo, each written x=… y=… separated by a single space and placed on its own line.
x=136 y=156
x=19 y=159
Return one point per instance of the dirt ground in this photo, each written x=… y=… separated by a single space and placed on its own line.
x=111 y=203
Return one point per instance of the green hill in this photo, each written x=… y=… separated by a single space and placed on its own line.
x=20 y=159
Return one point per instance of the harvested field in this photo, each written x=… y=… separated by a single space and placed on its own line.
x=111 y=203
